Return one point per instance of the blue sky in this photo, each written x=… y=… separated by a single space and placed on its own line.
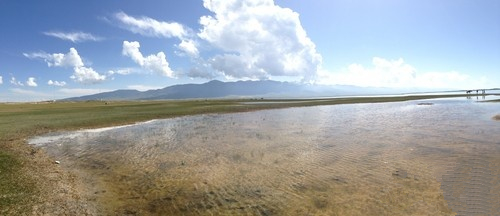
x=59 y=49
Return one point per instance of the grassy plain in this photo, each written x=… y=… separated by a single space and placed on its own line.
x=31 y=182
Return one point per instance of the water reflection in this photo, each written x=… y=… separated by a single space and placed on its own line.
x=483 y=97
x=381 y=159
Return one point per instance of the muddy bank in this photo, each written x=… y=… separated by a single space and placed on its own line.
x=47 y=188
x=497 y=117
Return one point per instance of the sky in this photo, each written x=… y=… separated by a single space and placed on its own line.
x=58 y=49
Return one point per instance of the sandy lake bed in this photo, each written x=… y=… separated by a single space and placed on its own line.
x=398 y=158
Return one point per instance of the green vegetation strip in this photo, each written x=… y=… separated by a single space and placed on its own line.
x=497 y=100
x=10 y=186
x=19 y=121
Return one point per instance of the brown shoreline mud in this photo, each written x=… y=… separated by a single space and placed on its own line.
x=51 y=190
x=56 y=191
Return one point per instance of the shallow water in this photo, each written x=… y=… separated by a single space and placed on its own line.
x=376 y=159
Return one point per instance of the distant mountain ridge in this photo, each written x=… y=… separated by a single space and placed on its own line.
x=212 y=89
x=219 y=89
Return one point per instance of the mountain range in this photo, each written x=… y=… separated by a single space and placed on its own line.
x=239 y=89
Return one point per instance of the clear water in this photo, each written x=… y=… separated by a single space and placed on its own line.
x=376 y=159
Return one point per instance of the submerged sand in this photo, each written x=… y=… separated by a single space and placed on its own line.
x=345 y=160
x=87 y=190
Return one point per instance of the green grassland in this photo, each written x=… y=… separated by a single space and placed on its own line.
x=22 y=180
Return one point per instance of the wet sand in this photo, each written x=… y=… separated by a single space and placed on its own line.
x=383 y=159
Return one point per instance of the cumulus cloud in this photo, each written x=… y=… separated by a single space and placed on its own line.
x=150 y=27
x=86 y=75
x=72 y=59
x=13 y=81
x=31 y=82
x=260 y=39
x=189 y=47
x=56 y=83
x=155 y=63
x=74 y=37
x=396 y=74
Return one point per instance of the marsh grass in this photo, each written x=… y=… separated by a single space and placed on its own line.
x=14 y=188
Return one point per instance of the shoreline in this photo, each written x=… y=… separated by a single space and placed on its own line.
x=58 y=191
x=43 y=139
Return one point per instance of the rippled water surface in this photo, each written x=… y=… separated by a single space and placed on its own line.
x=363 y=159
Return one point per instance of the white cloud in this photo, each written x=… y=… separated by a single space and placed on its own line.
x=384 y=73
x=1 y=80
x=259 y=38
x=56 y=83
x=397 y=74
x=82 y=74
x=147 y=26
x=87 y=75
x=121 y=71
x=189 y=47
x=70 y=59
x=81 y=91
x=452 y=79
x=131 y=49
x=31 y=82
x=143 y=87
x=201 y=71
x=150 y=27
x=74 y=37
x=155 y=63
x=13 y=81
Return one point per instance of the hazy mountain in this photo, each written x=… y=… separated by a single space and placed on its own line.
x=218 y=89
x=212 y=89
